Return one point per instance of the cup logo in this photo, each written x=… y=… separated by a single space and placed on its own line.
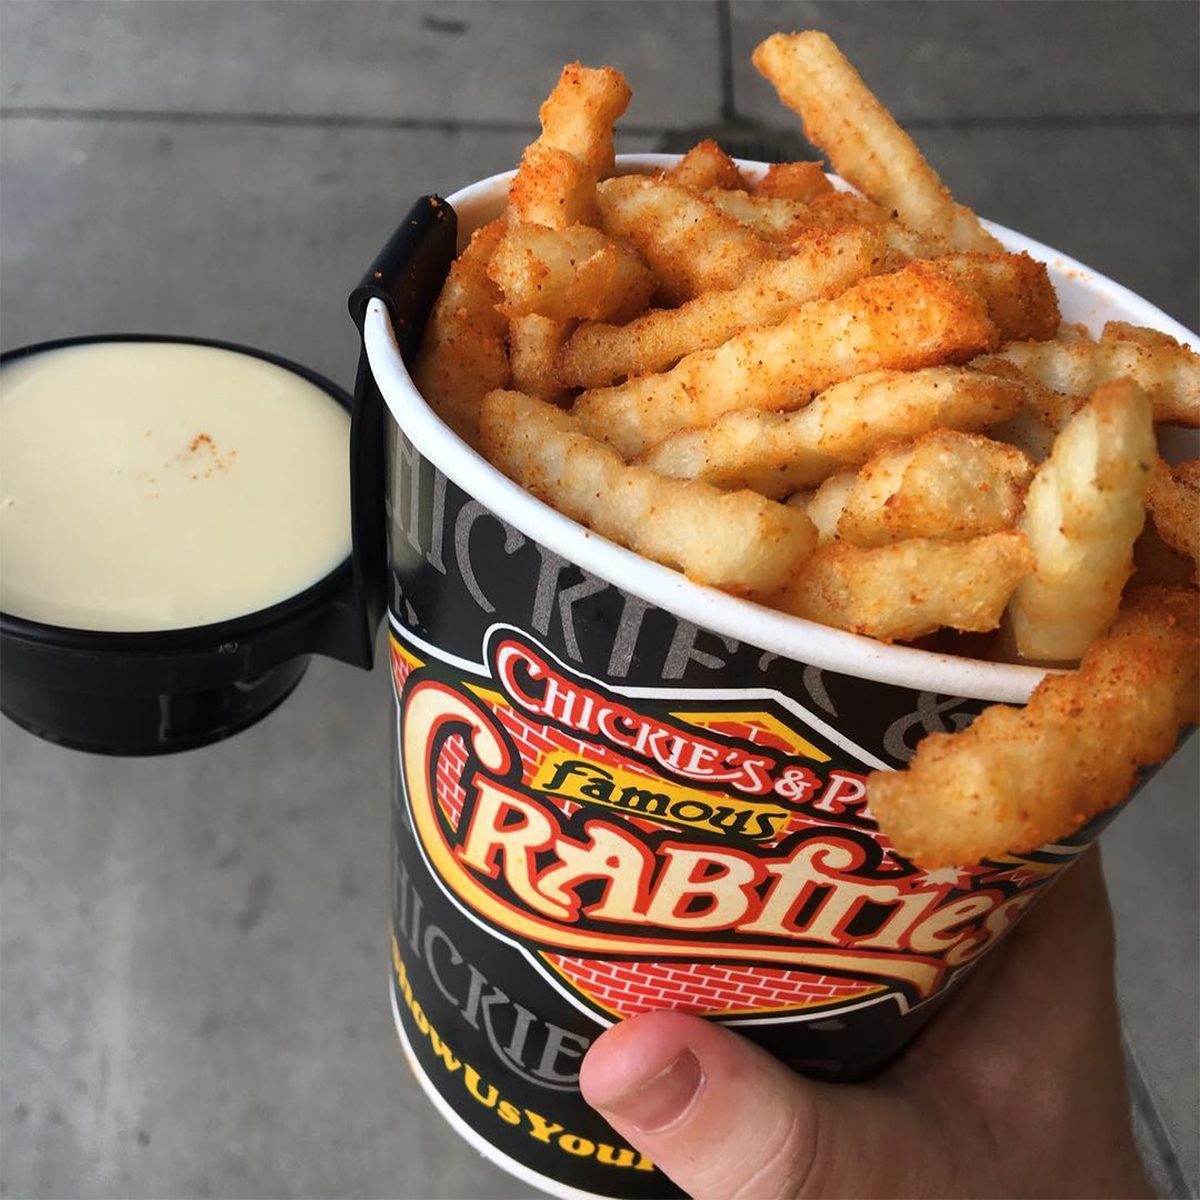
x=643 y=845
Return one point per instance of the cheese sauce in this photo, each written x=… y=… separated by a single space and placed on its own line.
x=153 y=485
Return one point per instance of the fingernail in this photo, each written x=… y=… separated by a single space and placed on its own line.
x=659 y=1101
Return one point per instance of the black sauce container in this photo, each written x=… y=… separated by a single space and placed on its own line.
x=165 y=691
x=162 y=691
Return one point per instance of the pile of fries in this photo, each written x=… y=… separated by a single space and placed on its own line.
x=853 y=406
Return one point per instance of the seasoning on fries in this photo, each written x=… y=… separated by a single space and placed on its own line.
x=855 y=407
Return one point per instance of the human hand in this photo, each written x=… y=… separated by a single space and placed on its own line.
x=1017 y=1089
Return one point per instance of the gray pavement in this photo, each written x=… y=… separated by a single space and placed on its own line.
x=194 y=949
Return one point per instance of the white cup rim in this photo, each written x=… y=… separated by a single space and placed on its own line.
x=790 y=637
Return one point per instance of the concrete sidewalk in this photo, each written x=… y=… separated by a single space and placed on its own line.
x=194 y=949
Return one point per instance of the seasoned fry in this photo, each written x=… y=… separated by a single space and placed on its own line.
x=1028 y=432
x=736 y=541
x=579 y=114
x=553 y=188
x=1082 y=515
x=776 y=453
x=690 y=244
x=1018 y=778
x=898 y=321
x=825 y=505
x=909 y=589
x=533 y=346
x=1173 y=499
x=770 y=217
x=1017 y=290
x=1168 y=372
x=823 y=263
x=706 y=166
x=791 y=181
x=462 y=355
x=782 y=220
x=948 y=485
x=569 y=273
x=862 y=139
x=1053 y=408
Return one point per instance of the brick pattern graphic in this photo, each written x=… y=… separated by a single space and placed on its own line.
x=697 y=987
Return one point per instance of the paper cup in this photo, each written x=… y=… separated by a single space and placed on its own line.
x=617 y=791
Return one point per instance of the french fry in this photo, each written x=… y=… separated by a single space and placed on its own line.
x=690 y=244
x=463 y=354
x=553 y=188
x=947 y=485
x=579 y=114
x=737 y=541
x=792 y=181
x=782 y=220
x=909 y=589
x=1167 y=371
x=1020 y=777
x=1054 y=409
x=706 y=166
x=569 y=274
x=1173 y=498
x=770 y=217
x=1028 y=432
x=823 y=263
x=897 y=321
x=1083 y=512
x=1017 y=290
x=555 y=184
x=825 y=505
x=862 y=139
x=776 y=453
x=534 y=344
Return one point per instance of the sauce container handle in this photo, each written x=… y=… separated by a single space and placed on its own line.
x=406 y=275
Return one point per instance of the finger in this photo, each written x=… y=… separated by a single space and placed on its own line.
x=716 y=1113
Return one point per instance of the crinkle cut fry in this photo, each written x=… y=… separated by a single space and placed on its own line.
x=1167 y=371
x=908 y=589
x=566 y=274
x=776 y=453
x=822 y=263
x=899 y=321
x=1015 y=287
x=689 y=244
x=793 y=181
x=555 y=185
x=862 y=139
x=1018 y=778
x=738 y=541
x=463 y=354
x=1173 y=499
x=947 y=485
x=1083 y=513
x=579 y=114
x=706 y=166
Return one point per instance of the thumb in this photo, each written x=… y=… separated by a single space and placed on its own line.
x=720 y=1116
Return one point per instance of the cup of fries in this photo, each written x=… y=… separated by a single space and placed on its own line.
x=760 y=622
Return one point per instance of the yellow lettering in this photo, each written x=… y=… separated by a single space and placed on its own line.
x=540 y=1129
x=578 y=1146
x=472 y=1081
x=612 y=1157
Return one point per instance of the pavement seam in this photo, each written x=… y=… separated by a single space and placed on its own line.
x=442 y=125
